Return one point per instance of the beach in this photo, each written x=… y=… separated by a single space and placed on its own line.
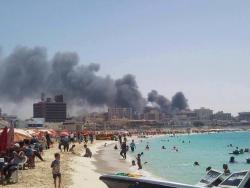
x=77 y=171
x=84 y=170
x=41 y=175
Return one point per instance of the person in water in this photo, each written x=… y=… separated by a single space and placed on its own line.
x=196 y=163
x=208 y=168
x=139 y=161
x=133 y=163
x=115 y=147
x=147 y=147
x=163 y=147
x=226 y=169
x=132 y=146
x=123 y=150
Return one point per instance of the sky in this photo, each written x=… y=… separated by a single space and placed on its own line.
x=198 y=47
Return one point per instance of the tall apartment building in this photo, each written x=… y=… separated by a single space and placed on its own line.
x=119 y=113
x=222 y=116
x=51 y=110
x=244 y=116
x=204 y=114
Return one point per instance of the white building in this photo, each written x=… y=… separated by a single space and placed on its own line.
x=35 y=122
x=204 y=114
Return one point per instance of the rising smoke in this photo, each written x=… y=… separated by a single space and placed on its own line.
x=162 y=102
x=179 y=102
x=27 y=72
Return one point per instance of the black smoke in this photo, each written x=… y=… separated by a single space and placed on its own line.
x=179 y=102
x=163 y=103
x=27 y=72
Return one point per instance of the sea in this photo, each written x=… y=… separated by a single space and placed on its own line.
x=208 y=149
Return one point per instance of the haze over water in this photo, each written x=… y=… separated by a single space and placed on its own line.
x=207 y=149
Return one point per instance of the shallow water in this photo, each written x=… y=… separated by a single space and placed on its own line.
x=208 y=149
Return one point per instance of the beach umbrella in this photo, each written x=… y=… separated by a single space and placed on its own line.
x=20 y=135
x=32 y=132
x=63 y=133
x=51 y=132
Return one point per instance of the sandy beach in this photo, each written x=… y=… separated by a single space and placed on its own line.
x=84 y=170
x=77 y=171
x=41 y=175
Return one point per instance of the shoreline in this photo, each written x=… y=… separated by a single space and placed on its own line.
x=83 y=169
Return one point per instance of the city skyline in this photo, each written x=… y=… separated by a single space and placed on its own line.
x=198 y=47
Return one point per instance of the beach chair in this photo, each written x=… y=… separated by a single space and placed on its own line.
x=21 y=165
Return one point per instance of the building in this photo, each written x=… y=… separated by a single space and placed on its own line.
x=221 y=116
x=51 y=111
x=12 y=119
x=35 y=122
x=203 y=114
x=244 y=116
x=120 y=113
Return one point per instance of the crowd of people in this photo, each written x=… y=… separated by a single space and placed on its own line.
x=22 y=155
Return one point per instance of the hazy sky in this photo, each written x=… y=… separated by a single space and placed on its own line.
x=199 y=47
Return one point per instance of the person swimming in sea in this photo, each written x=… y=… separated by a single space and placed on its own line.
x=147 y=147
x=132 y=146
x=196 y=163
x=163 y=147
x=208 y=168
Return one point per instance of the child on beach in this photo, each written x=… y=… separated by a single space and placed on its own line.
x=55 y=165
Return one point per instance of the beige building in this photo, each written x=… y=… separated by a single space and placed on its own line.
x=204 y=113
x=119 y=114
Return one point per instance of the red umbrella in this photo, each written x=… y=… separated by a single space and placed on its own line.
x=3 y=139
x=64 y=133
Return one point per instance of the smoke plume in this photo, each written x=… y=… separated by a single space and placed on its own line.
x=179 y=102
x=27 y=72
x=162 y=102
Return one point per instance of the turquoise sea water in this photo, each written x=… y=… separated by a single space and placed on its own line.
x=208 y=149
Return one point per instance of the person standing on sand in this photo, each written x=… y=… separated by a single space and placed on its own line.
x=48 y=140
x=55 y=165
x=123 y=150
